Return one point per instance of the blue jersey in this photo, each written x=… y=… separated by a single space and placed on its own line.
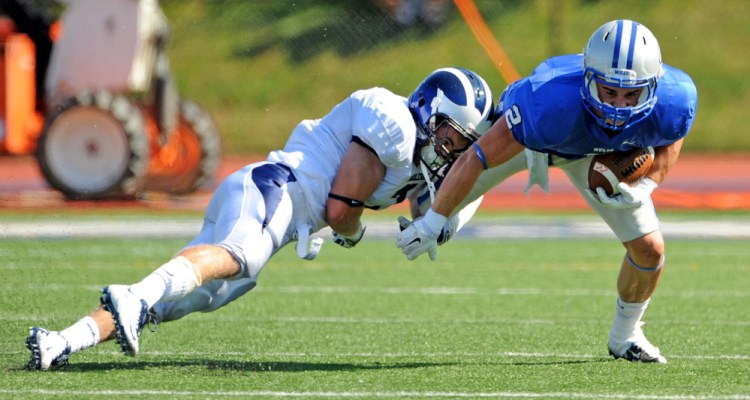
x=546 y=113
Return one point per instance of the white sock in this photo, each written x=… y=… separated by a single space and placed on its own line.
x=172 y=281
x=81 y=335
x=627 y=318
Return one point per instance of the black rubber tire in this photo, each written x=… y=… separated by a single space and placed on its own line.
x=94 y=146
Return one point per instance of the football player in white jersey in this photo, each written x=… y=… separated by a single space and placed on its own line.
x=372 y=150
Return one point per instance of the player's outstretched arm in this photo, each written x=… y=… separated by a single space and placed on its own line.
x=494 y=148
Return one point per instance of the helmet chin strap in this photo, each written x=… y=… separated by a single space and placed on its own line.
x=430 y=186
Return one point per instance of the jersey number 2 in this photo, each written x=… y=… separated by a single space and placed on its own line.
x=512 y=116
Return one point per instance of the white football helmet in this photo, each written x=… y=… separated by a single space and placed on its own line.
x=455 y=96
x=622 y=54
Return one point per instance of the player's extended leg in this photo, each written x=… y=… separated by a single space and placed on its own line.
x=51 y=349
x=174 y=280
x=241 y=231
x=246 y=222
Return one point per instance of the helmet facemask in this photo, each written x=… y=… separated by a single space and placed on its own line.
x=609 y=116
x=626 y=55
x=448 y=97
x=431 y=146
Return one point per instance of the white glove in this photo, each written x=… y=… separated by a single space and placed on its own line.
x=415 y=251
x=629 y=196
x=445 y=234
x=348 y=242
x=421 y=235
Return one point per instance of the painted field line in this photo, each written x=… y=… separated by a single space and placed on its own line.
x=553 y=227
x=434 y=291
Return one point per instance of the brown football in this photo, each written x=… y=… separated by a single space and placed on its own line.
x=606 y=170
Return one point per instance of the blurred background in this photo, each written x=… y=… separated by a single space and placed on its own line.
x=261 y=66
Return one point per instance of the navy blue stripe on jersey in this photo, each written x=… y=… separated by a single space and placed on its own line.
x=269 y=178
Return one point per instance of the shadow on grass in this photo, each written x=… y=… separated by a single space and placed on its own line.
x=249 y=366
x=561 y=362
x=289 y=366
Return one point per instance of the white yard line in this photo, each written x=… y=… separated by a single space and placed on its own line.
x=487 y=229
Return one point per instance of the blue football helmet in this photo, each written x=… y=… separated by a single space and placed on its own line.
x=623 y=54
x=454 y=96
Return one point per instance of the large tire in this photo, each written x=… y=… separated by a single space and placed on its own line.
x=189 y=159
x=94 y=146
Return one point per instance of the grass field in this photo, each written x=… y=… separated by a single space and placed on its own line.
x=489 y=319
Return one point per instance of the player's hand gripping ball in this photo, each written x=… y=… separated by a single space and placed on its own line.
x=606 y=170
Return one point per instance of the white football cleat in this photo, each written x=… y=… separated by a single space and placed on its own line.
x=129 y=313
x=49 y=350
x=637 y=349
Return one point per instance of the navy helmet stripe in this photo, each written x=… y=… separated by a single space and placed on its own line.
x=631 y=49
x=618 y=40
x=477 y=88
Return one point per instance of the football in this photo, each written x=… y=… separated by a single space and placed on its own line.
x=606 y=170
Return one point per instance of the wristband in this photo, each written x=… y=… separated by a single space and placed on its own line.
x=480 y=155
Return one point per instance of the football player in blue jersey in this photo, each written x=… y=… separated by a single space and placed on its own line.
x=373 y=150
x=616 y=96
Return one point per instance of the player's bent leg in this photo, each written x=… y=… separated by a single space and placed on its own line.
x=639 y=275
x=172 y=281
x=641 y=268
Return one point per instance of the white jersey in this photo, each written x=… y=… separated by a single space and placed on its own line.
x=264 y=206
x=378 y=118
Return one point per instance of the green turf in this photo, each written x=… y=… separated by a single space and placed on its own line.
x=501 y=319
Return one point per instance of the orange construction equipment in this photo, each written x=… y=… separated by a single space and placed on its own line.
x=109 y=124
x=20 y=124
